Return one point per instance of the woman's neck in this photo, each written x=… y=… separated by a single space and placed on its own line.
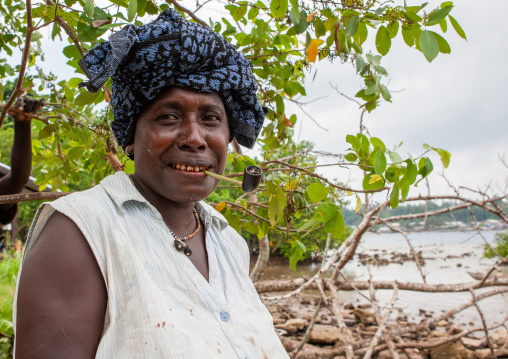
x=178 y=216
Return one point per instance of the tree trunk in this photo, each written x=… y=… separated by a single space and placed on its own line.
x=262 y=261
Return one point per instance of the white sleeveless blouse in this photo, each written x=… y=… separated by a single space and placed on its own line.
x=159 y=305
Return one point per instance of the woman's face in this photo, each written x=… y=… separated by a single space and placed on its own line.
x=178 y=135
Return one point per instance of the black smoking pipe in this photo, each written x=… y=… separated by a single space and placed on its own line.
x=251 y=178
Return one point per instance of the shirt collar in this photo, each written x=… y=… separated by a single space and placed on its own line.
x=121 y=190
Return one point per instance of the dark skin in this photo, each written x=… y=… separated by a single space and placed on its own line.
x=62 y=297
x=21 y=156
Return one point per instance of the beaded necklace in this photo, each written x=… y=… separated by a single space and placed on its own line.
x=179 y=241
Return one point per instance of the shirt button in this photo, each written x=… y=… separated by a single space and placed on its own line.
x=224 y=316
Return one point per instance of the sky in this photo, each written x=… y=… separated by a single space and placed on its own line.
x=456 y=102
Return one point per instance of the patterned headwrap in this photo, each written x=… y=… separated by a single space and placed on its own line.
x=172 y=51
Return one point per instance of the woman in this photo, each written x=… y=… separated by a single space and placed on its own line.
x=140 y=267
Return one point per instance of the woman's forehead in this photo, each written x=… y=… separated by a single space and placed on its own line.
x=181 y=96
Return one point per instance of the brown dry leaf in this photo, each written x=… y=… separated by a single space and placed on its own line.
x=287 y=122
x=99 y=23
x=312 y=50
x=220 y=206
x=311 y=16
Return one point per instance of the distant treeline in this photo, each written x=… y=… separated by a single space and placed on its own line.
x=463 y=215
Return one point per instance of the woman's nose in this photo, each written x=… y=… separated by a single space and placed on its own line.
x=191 y=136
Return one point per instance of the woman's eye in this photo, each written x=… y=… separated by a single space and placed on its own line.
x=213 y=118
x=167 y=117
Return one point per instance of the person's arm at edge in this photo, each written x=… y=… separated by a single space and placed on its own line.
x=21 y=156
x=62 y=296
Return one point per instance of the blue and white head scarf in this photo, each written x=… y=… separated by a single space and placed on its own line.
x=172 y=51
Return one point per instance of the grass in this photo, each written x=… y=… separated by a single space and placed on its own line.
x=9 y=266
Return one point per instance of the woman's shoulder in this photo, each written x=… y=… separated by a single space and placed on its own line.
x=103 y=199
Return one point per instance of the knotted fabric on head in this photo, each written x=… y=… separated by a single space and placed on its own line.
x=172 y=51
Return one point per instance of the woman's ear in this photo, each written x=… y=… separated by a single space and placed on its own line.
x=129 y=150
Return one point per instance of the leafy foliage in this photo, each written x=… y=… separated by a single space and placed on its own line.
x=501 y=246
x=282 y=39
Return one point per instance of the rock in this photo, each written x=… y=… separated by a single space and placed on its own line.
x=453 y=350
x=472 y=343
x=482 y=353
x=385 y=354
x=438 y=334
x=365 y=317
x=365 y=306
x=324 y=334
x=499 y=337
x=293 y=325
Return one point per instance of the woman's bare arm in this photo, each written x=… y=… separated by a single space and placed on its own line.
x=62 y=296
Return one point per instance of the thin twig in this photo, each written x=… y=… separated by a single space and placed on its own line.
x=188 y=12
x=306 y=336
x=485 y=330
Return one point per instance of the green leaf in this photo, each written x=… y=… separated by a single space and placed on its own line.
x=360 y=64
x=86 y=98
x=443 y=25
x=425 y=167
x=383 y=41
x=392 y=174
x=278 y=8
x=358 y=204
x=325 y=212
x=411 y=172
x=319 y=27
x=132 y=10
x=444 y=47
x=445 y=156
x=362 y=33
x=250 y=227
x=316 y=192
x=370 y=184
x=276 y=206
x=379 y=162
x=385 y=93
x=411 y=15
x=75 y=152
x=297 y=251
x=253 y=13
x=6 y=327
x=429 y=45
x=335 y=226
x=408 y=37
x=394 y=196
x=457 y=27
x=376 y=142
x=351 y=157
x=396 y=159
x=439 y=15
x=89 y=8
x=354 y=141
x=352 y=25
x=393 y=29
x=74 y=82
x=311 y=222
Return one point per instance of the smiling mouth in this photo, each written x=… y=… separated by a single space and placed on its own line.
x=189 y=168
